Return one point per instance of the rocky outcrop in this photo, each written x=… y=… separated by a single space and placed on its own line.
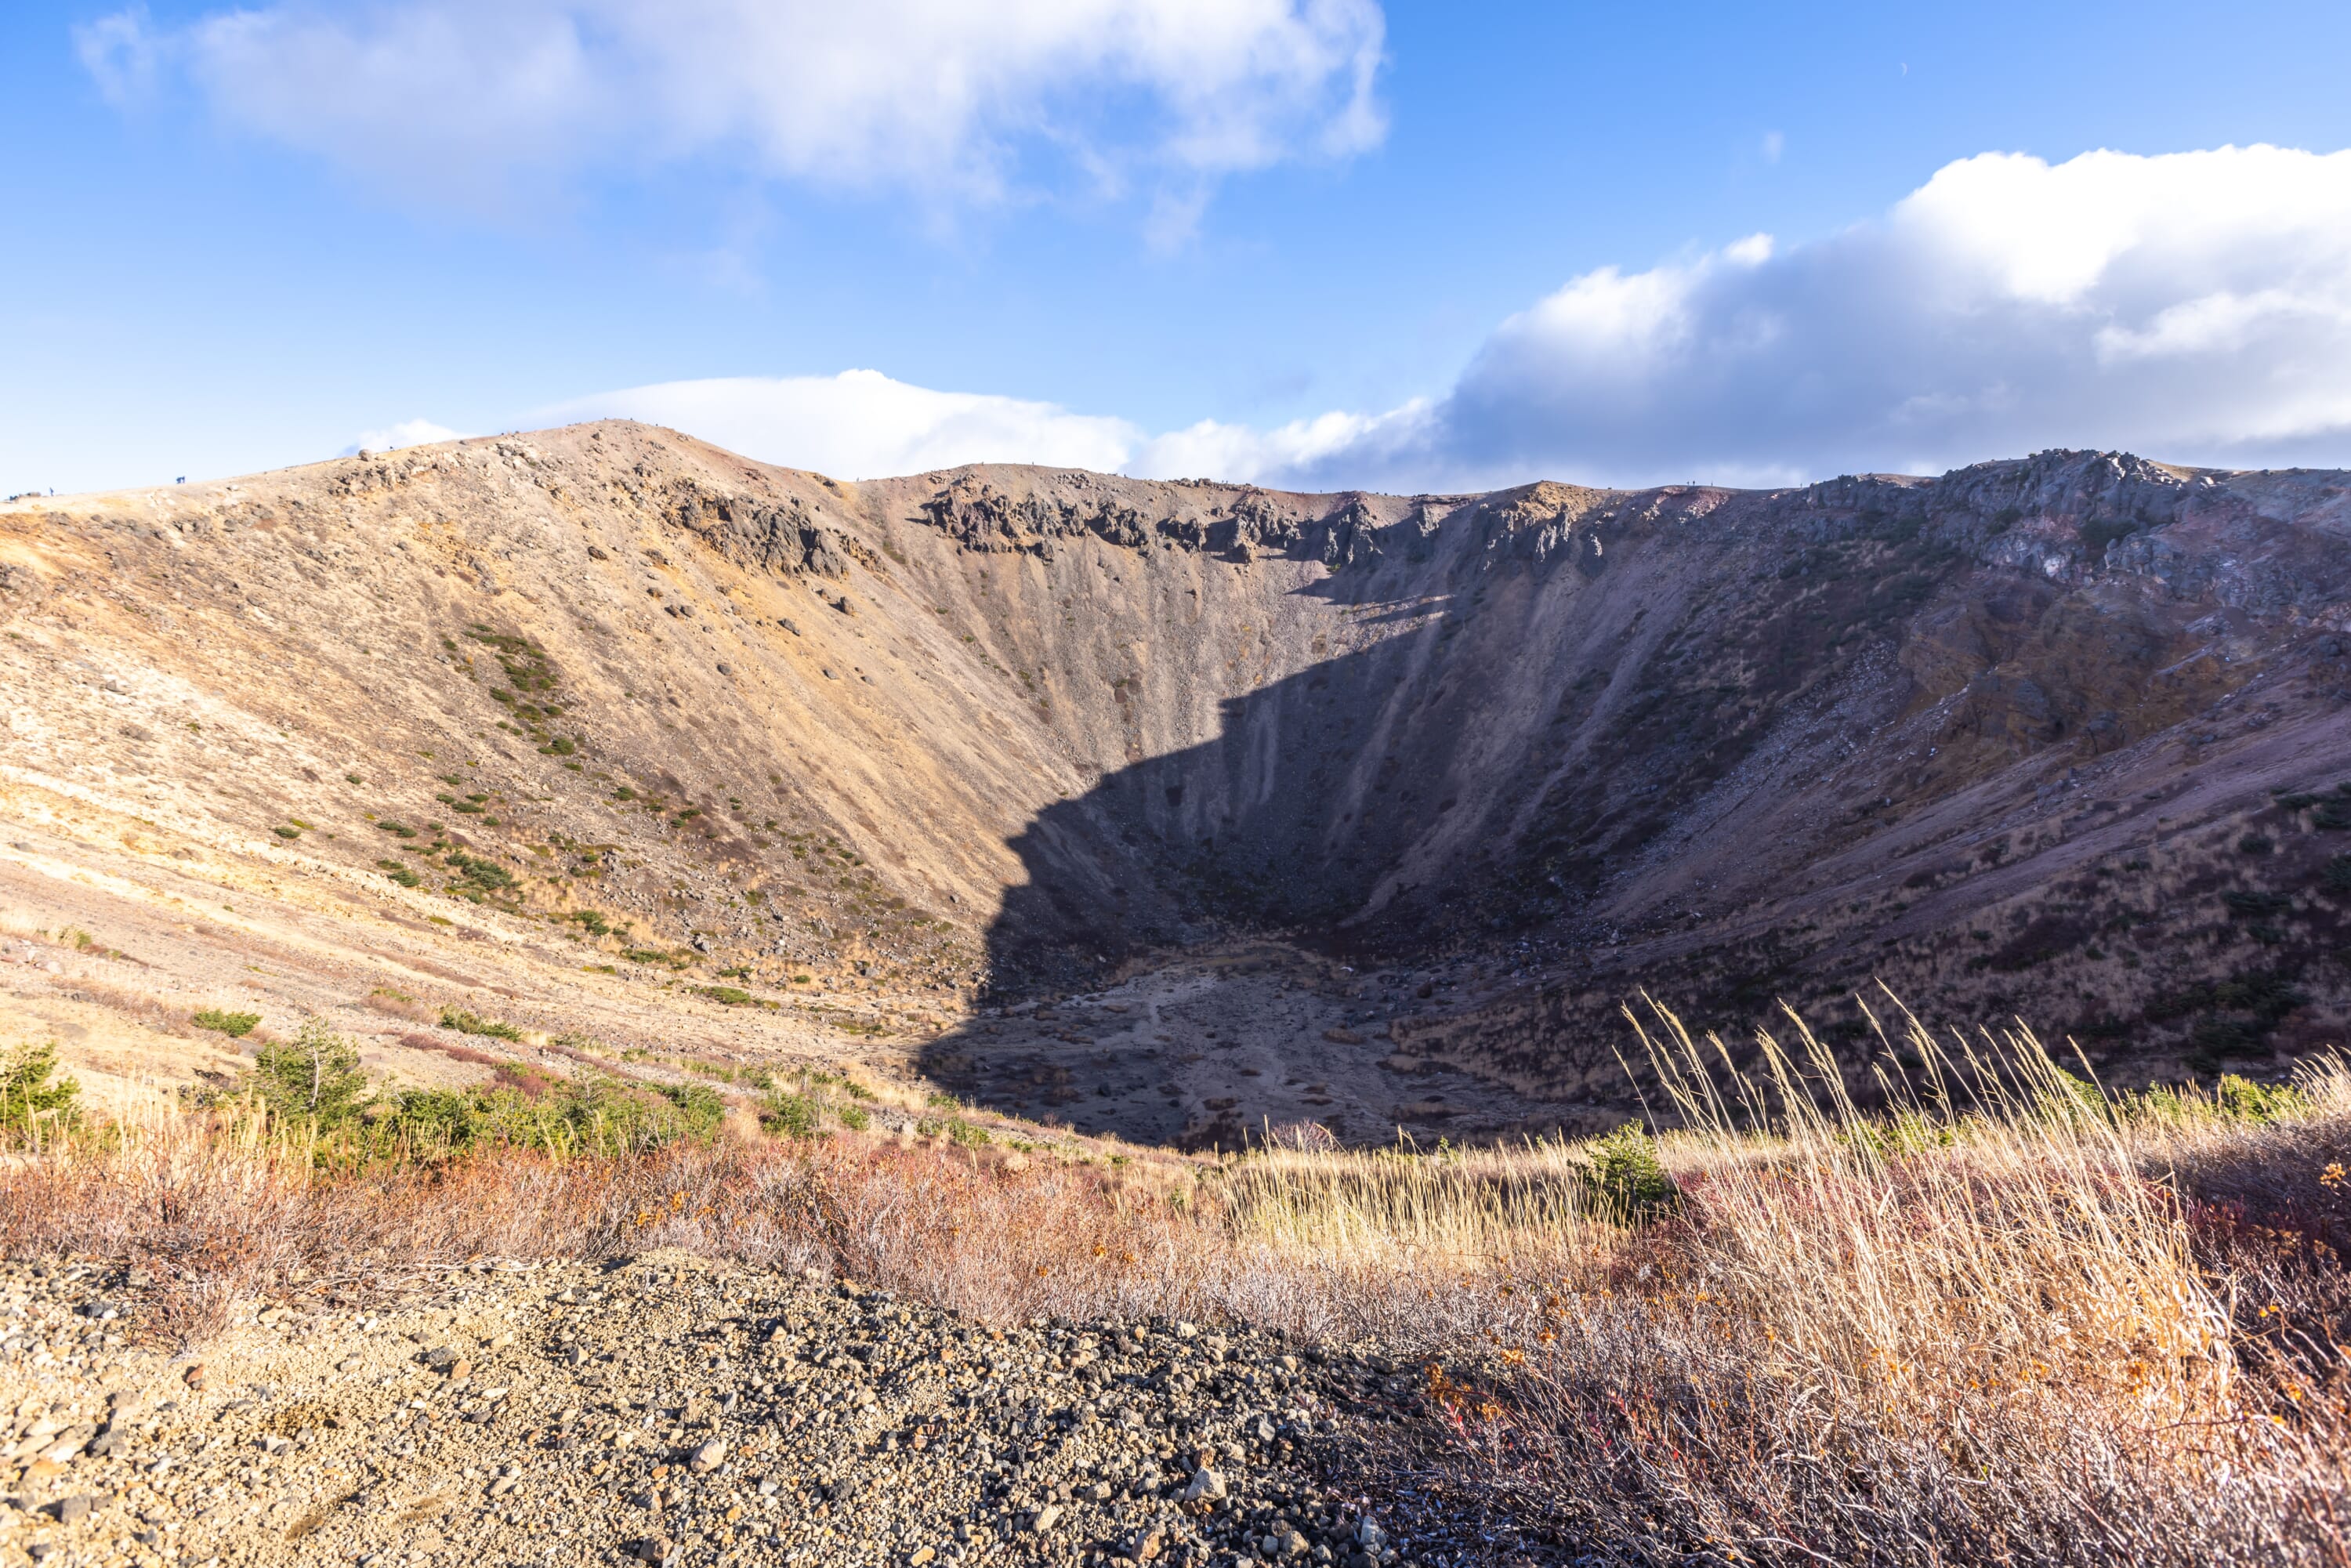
x=783 y=538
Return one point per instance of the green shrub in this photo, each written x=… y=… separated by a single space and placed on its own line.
x=485 y=874
x=399 y=873
x=316 y=1076
x=561 y=746
x=789 y=1114
x=236 y=1026
x=396 y=829
x=464 y=1023
x=730 y=995
x=1906 y=1132
x=856 y=1118
x=2245 y=1101
x=29 y=1091
x=593 y=919
x=287 y=833
x=1626 y=1178
x=964 y=1135
x=592 y=1114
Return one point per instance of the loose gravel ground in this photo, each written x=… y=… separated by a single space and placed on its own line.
x=665 y=1410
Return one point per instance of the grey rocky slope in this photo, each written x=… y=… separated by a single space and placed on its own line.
x=666 y=1410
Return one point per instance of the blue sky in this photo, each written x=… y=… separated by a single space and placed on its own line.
x=1306 y=241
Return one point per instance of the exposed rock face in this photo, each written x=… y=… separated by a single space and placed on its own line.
x=782 y=538
x=1541 y=747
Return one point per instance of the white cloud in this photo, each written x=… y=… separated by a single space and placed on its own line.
x=407 y=433
x=460 y=99
x=1210 y=450
x=2194 y=307
x=122 y=55
x=860 y=424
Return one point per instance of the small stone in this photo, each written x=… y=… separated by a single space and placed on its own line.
x=73 y=1510
x=653 y=1549
x=440 y=1358
x=710 y=1456
x=460 y=1370
x=919 y=1556
x=1205 y=1484
x=194 y=1376
x=1044 y=1519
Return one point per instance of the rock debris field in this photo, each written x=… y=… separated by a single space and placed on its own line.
x=668 y=1411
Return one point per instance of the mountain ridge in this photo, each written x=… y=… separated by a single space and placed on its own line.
x=948 y=743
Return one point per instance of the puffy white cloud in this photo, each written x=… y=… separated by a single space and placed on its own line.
x=458 y=97
x=2194 y=307
x=407 y=433
x=860 y=424
x=1211 y=450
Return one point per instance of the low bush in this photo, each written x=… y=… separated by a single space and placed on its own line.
x=1628 y=1180
x=315 y=1076
x=32 y=1094
x=473 y=871
x=466 y=1022
x=789 y=1115
x=236 y=1026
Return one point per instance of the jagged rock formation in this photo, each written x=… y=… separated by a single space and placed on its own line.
x=2006 y=739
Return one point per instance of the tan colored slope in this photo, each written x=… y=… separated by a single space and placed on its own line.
x=1365 y=810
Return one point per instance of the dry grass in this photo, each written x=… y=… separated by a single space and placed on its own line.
x=2007 y=1323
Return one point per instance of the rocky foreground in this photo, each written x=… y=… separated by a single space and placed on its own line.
x=667 y=1411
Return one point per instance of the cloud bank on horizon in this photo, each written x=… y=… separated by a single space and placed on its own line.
x=2193 y=307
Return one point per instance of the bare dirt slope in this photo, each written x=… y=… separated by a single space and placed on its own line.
x=1360 y=810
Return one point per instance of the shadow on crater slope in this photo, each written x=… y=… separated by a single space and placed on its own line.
x=1733 y=749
